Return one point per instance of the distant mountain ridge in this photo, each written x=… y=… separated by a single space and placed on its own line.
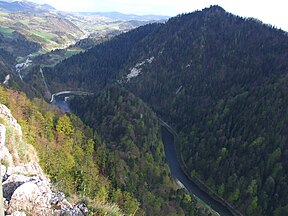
x=29 y=29
x=31 y=7
x=47 y=6
x=127 y=17
x=25 y=6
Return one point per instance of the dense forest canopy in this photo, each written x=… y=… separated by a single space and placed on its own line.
x=116 y=167
x=133 y=156
x=66 y=149
x=221 y=81
x=103 y=61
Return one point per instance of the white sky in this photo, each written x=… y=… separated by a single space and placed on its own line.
x=274 y=12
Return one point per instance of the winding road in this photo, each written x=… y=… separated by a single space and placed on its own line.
x=68 y=92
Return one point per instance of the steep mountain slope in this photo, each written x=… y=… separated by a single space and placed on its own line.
x=16 y=44
x=133 y=140
x=221 y=81
x=103 y=61
x=24 y=183
x=66 y=149
x=5 y=67
x=25 y=32
x=112 y=170
x=45 y=28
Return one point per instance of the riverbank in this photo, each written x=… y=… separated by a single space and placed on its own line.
x=194 y=186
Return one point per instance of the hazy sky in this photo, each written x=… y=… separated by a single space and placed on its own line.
x=269 y=11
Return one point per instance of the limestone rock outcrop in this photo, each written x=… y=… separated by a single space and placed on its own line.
x=26 y=190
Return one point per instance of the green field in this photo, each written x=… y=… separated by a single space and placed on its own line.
x=45 y=35
x=7 y=32
x=2 y=18
x=25 y=22
x=70 y=53
x=3 y=15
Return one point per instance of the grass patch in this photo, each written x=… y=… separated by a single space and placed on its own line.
x=25 y=22
x=7 y=32
x=3 y=15
x=70 y=53
x=2 y=18
x=21 y=151
x=44 y=35
x=21 y=59
x=39 y=19
x=105 y=209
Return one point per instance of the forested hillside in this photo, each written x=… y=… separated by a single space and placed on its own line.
x=133 y=156
x=34 y=34
x=103 y=61
x=116 y=168
x=224 y=90
x=5 y=67
x=12 y=45
x=65 y=147
x=221 y=81
x=69 y=153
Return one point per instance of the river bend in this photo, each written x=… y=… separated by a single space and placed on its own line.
x=177 y=172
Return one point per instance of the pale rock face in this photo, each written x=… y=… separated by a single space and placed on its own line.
x=32 y=197
x=4 y=153
x=30 y=169
x=18 y=213
x=2 y=140
x=12 y=183
x=7 y=78
x=137 y=69
x=3 y=170
x=6 y=156
x=58 y=199
x=5 y=113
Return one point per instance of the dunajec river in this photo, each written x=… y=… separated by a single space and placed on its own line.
x=177 y=172
x=60 y=102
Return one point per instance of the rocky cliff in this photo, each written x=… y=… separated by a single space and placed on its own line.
x=26 y=190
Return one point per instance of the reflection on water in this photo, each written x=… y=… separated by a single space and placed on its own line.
x=61 y=102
